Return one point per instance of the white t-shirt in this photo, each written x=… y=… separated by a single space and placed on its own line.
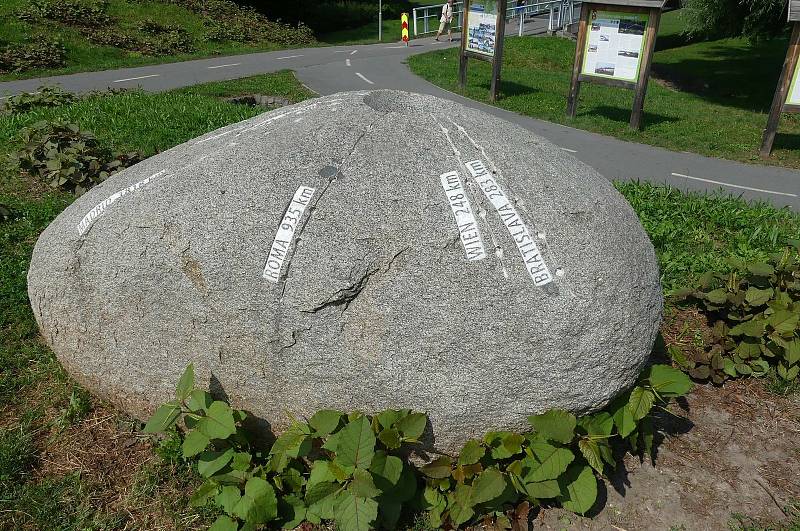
x=447 y=13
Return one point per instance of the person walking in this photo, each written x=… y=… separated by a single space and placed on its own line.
x=446 y=20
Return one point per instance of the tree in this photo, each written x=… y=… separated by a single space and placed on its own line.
x=755 y=19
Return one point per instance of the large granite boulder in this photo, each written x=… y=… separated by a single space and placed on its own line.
x=358 y=251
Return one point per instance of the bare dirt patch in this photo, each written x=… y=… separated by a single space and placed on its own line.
x=736 y=451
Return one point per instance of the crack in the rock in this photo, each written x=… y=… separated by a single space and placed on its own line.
x=345 y=296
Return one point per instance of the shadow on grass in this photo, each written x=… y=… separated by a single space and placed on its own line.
x=787 y=141
x=512 y=88
x=730 y=72
x=623 y=115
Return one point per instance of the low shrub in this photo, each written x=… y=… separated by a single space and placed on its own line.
x=41 y=54
x=354 y=469
x=152 y=27
x=168 y=43
x=65 y=157
x=755 y=313
x=7 y=213
x=45 y=97
x=69 y=12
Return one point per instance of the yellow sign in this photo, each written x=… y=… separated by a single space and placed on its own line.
x=404 y=26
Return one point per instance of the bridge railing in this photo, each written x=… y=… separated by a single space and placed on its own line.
x=561 y=12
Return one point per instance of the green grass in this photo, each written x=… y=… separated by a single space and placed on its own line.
x=83 y=55
x=690 y=232
x=34 y=389
x=720 y=110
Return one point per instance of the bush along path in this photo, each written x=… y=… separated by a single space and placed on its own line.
x=754 y=315
x=353 y=469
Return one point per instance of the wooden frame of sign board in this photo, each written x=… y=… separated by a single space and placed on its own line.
x=787 y=96
x=496 y=57
x=636 y=79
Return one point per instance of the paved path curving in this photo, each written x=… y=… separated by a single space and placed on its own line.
x=333 y=69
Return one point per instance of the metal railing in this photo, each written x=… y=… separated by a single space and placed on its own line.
x=561 y=13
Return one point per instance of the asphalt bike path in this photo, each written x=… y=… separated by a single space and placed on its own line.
x=327 y=70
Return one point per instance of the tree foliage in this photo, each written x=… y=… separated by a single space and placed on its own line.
x=755 y=19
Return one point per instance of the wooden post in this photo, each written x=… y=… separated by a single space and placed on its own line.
x=462 y=65
x=781 y=92
x=497 y=60
x=644 y=68
x=575 y=85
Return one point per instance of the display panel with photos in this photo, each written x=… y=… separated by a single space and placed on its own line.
x=481 y=25
x=614 y=45
x=793 y=97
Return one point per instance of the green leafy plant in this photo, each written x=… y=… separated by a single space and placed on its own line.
x=755 y=311
x=353 y=469
x=65 y=157
x=40 y=54
x=44 y=97
x=70 y=12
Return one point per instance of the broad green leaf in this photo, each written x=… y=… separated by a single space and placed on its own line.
x=218 y=422
x=718 y=296
x=598 y=424
x=199 y=400
x=355 y=514
x=543 y=489
x=292 y=480
x=554 y=425
x=203 y=493
x=325 y=421
x=320 y=473
x=406 y=486
x=460 y=505
x=356 y=444
x=546 y=461
x=792 y=352
x=580 y=488
x=669 y=382
x=748 y=348
x=413 y=426
x=194 y=443
x=388 y=418
x=320 y=493
x=185 y=383
x=292 y=510
x=758 y=297
x=591 y=451
x=341 y=472
x=209 y=463
x=363 y=485
x=792 y=373
x=438 y=468
x=472 y=452
x=390 y=437
x=784 y=321
x=291 y=444
x=241 y=461
x=224 y=523
x=761 y=269
x=647 y=432
x=751 y=328
x=504 y=444
x=387 y=470
x=228 y=498
x=641 y=402
x=163 y=419
x=259 y=503
x=487 y=486
x=623 y=417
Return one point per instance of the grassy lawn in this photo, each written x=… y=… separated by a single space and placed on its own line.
x=709 y=97
x=83 y=55
x=68 y=461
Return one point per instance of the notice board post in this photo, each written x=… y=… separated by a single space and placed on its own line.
x=787 y=94
x=482 y=38
x=616 y=40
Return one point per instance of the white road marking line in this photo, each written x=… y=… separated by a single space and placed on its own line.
x=341 y=51
x=359 y=74
x=395 y=47
x=135 y=78
x=347 y=62
x=569 y=150
x=354 y=52
x=289 y=57
x=215 y=136
x=223 y=66
x=734 y=185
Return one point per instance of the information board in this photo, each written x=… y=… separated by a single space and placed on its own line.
x=481 y=25
x=793 y=98
x=615 y=45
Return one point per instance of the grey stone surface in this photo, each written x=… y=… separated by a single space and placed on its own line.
x=376 y=305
